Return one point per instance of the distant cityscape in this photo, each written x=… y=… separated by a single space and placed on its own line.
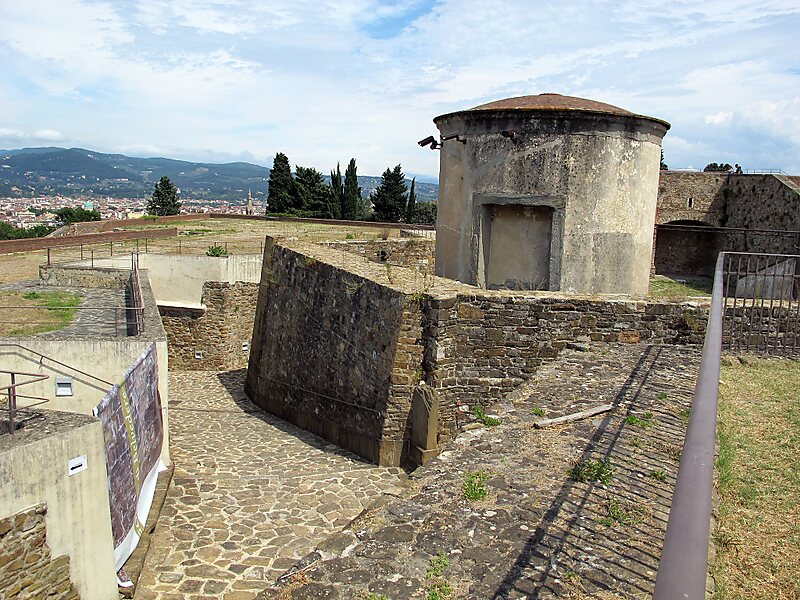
x=29 y=212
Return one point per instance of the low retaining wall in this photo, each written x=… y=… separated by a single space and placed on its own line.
x=416 y=253
x=42 y=243
x=340 y=352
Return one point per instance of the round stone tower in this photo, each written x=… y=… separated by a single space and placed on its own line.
x=548 y=192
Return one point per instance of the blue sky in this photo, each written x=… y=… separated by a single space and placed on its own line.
x=325 y=80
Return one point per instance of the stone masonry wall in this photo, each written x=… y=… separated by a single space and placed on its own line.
x=27 y=570
x=340 y=352
x=406 y=252
x=481 y=347
x=218 y=332
x=325 y=346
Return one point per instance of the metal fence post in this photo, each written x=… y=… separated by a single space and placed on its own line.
x=112 y=248
x=12 y=403
x=81 y=251
x=93 y=258
x=48 y=257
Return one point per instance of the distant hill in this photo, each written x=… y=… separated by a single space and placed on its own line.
x=27 y=172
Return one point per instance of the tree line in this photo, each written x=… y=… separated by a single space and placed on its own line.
x=305 y=194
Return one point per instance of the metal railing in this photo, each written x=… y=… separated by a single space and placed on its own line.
x=754 y=307
x=135 y=311
x=683 y=568
x=13 y=394
x=762 y=311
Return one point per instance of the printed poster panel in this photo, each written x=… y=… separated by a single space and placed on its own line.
x=130 y=414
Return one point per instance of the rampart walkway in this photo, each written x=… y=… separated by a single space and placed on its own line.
x=250 y=494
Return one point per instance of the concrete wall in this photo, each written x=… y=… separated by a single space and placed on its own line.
x=34 y=471
x=598 y=176
x=178 y=280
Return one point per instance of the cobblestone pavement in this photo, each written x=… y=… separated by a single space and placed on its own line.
x=106 y=320
x=250 y=494
x=537 y=532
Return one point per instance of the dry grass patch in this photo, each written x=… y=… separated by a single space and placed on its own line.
x=44 y=311
x=757 y=538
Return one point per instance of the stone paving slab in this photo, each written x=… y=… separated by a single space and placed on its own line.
x=538 y=533
x=250 y=494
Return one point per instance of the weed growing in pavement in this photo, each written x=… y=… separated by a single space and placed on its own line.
x=437 y=565
x=539 y=411
x=646 y=420
x=474 y=486
x=617 y=515
x=480 y=415
x=439 y=591
x=592 y=470
x=658 y=474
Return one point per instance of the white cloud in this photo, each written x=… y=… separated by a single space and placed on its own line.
x=341 y=78
x=48 y=135
x=720 y=118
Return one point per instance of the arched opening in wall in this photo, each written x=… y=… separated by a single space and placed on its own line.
x=686 y=247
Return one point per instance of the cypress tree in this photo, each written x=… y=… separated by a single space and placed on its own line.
x=412 y=203
x=281 y=185
x=389 y=199
x=164 y=200
x=336 y=200
x=352 y=204
x=311 y=193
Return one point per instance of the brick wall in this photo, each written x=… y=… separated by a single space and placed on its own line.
x=339 y=352
x=217 y=331
x=27 y=570
x=30 y=244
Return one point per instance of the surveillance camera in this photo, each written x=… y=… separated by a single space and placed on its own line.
x=428 y=141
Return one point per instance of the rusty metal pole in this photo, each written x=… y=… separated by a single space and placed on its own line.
x=48 y=257
x=93 y=258
x=112 y=248
x=145 y=245
x=81 y=251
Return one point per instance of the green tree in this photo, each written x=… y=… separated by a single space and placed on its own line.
x=337 y=193
x=312 y=195
x=717 y=168
x=165 y=199
x=352 y=204
x=425 y=213
x=76 y=215
x=664 y=166
x=412 y=202
x=389 y=199
x=280 y=196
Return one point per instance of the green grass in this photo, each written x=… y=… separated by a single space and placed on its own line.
x=757 y=537
x=658 y=475
x=474 y=486
x=439 y=591
x=539 y=411
x=592 y=470
x=666 y=288
x=56 y=313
